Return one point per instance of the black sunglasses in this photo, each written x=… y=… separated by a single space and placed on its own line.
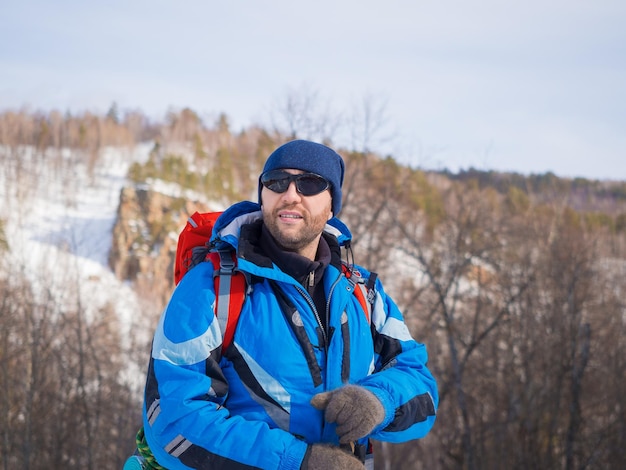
x=307 y=184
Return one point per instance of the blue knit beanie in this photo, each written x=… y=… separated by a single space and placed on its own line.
x=311 y=157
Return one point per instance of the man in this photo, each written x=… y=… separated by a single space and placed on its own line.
x=309 y=377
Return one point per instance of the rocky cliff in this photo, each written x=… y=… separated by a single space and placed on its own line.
x=145 y=237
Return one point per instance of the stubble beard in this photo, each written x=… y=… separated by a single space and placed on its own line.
x=296 y=241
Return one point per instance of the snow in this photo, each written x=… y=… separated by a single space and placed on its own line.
x=58 y=218
x=175 y=190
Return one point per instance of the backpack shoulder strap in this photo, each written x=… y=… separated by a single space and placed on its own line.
x=230 y=292
x=363 y=289
x=231 y=289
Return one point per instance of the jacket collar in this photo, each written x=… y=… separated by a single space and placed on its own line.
x=228 y=226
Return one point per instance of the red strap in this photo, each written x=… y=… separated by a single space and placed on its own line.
x=234 y=299
x=237 y=296
x=360 y=291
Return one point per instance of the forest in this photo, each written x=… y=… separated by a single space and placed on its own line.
x=515 y=283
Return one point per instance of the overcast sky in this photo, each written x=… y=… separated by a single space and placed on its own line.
x=527 y=86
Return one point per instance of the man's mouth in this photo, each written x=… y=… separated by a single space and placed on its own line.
x=289 y=216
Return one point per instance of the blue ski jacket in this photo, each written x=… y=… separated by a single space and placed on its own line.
x=249 y=407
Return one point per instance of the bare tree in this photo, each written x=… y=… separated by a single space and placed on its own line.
x=303 y=113
x=368 y=123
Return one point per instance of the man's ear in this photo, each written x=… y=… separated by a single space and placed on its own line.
x=331 y=215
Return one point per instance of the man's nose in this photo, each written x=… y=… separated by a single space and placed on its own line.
x=292 y=193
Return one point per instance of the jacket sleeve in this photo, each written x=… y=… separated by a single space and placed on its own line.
x=401 y=379
x=185 y=424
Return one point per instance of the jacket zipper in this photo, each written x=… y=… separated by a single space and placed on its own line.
x=330 y=294
x=309 y=301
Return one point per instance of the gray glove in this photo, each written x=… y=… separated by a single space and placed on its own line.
x=325 y=457
x=356 y=411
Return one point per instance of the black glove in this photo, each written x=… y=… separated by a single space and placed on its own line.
x=325 y=457
x=356 y=411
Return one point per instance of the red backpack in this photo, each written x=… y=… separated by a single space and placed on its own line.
x=230 y=284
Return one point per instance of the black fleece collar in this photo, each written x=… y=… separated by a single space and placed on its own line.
x=297 y=266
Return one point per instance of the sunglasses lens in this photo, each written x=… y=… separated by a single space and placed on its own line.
x=276 y=181
x=307 y=184
x=310 y=184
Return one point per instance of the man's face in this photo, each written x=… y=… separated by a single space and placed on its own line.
x=294 y=220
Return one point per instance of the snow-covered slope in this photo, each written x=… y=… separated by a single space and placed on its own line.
x=58 y=216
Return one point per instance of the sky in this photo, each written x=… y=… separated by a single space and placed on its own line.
x=525 y=86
